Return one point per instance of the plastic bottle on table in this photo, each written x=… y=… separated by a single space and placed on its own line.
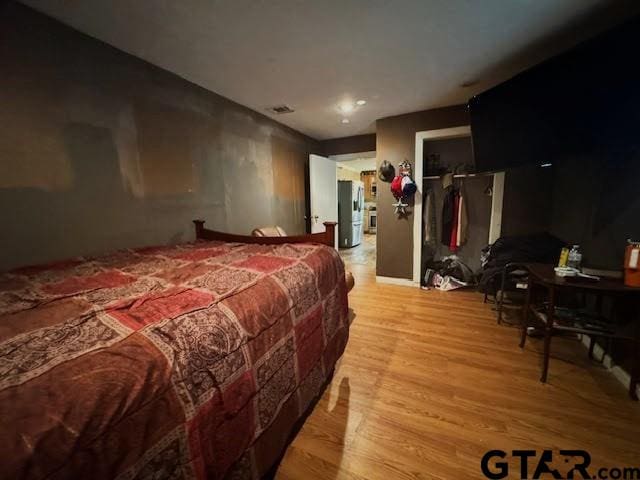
x=575 y=257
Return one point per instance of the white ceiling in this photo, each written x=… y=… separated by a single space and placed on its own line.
x=359 y=164
x=400 y=56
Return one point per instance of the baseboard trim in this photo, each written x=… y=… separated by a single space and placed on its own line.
x=405 y=282
x=617 y=371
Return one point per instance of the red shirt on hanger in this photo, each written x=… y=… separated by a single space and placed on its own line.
x=453 y=244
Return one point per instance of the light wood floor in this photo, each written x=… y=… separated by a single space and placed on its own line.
x=363 y=254
x=429 y=383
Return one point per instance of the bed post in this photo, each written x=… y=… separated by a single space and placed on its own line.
x=330 y=233
x=199 y=228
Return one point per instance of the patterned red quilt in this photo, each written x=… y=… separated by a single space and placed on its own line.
x=192 y=361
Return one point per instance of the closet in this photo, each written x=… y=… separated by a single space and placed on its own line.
x=454 y=155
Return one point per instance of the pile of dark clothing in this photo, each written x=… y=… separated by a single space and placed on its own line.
x=535 y=248
x=449 y=273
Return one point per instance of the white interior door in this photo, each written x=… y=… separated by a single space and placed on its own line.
x=323 y=190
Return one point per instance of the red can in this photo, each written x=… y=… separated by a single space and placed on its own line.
x=632 y=264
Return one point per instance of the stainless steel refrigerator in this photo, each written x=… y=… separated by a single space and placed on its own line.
x=350 y=213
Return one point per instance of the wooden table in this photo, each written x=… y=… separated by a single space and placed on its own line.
x=542 y=276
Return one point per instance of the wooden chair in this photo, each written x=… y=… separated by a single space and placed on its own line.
x=514 y=278
x=274 y=231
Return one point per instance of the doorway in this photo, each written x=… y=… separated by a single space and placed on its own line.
x=449 y=150
x=357 y=207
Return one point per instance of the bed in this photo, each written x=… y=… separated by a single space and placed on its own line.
x=192 y=361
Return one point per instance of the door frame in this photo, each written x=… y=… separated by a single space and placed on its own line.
x=335 y=187
x=496 y=199
x=439 y=134
x=345 y=157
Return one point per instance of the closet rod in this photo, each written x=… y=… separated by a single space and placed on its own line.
x=461 y=175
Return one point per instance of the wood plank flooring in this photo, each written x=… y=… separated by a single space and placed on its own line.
x=429 y=383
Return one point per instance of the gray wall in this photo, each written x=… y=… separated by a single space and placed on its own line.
x=395 y=142
x=528 y=200
x=596 y=204
x=100 y=150
x=591 y=200
x=344 y=145
x=454 y=155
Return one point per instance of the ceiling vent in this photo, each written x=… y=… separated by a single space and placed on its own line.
x=280 y=109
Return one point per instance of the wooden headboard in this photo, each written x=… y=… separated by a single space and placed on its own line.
x=327 y=237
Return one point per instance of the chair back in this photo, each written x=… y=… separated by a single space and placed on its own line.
x=274 y=231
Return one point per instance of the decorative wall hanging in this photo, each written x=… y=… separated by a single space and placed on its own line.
x=403 y=188
x=386 y=172
x=404 y=168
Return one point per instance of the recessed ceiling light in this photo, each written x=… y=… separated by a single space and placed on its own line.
x=361 y=102
x=345 y=120
x=280 y=109
x=346 y=107
x=469 y=83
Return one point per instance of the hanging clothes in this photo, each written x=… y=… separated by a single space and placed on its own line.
x=453 y=239
x=448 y=208
x=448 y=214
x=462 y=223
x=429 y=218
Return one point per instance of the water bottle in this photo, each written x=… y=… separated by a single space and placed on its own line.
x=575 y=257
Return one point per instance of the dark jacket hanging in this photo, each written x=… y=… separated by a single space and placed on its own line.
x=448 y=214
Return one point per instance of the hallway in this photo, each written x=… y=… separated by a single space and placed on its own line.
x=364 y=254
